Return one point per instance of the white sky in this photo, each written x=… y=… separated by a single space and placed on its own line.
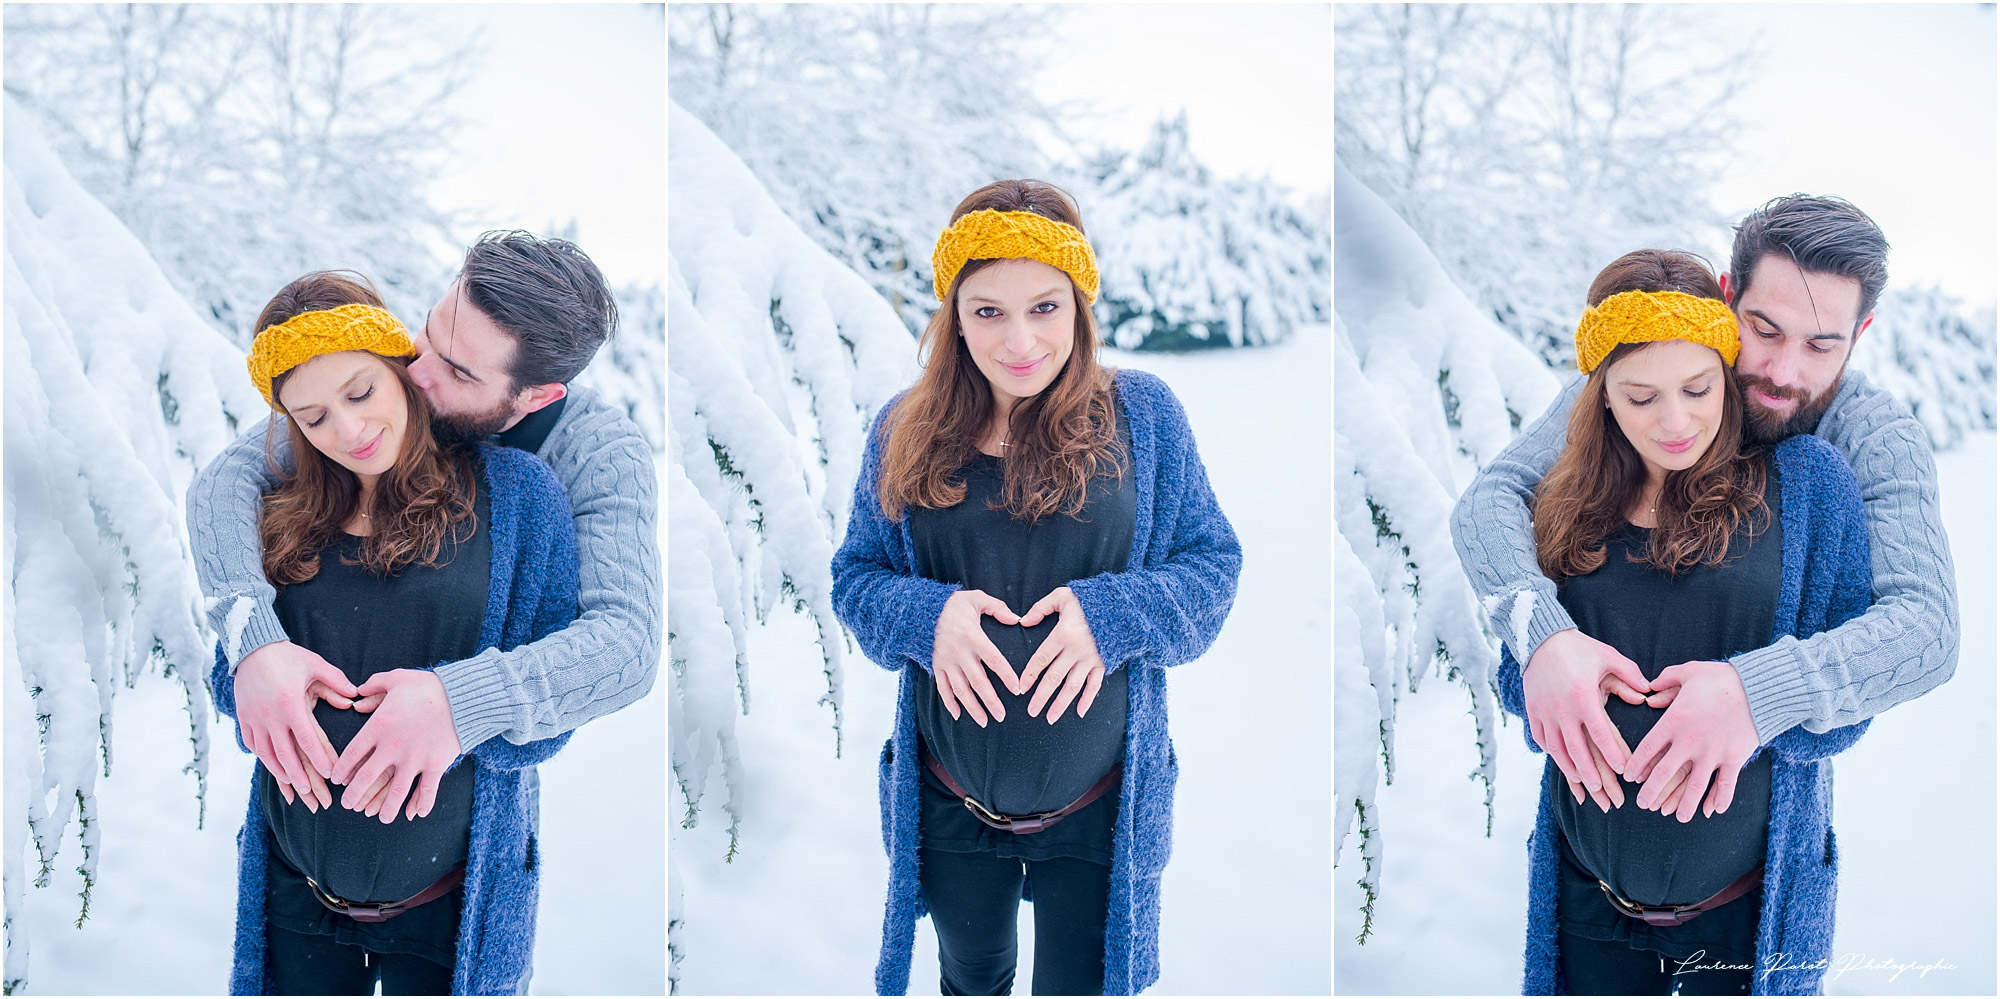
x=569 y=120
x=1256 y=80
x=1890 y=107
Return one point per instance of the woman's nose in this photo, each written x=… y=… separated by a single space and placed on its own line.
x=352 y=427
x=1673 y=417
x=1019 y=338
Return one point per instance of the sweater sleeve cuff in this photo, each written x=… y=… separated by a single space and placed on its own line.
x=480 y=707
x=1779 y=695
x=1545 y=618
x=926 y=606
x=260 y=629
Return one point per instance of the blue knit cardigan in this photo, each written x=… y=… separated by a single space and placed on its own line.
x=531 y=593
x=1825 y=583
x=1164 y=609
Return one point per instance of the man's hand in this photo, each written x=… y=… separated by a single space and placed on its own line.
x=1067 y=661
x=408 y=741
x=1564 y=686
x=961 y=654
x=1707 y=731
x=275 y=689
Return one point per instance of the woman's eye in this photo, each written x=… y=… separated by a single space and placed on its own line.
x=363 y=397
x=1640 y=402
x=310 y=424
x=986 y=312
x=1046 y=307
x=1692 y=394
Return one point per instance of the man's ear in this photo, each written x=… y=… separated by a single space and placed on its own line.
x=1862 y=325
x=1728 y=295
x=535 y=397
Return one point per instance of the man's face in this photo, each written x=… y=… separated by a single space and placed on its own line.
x=1798 y=329
x=463 y=364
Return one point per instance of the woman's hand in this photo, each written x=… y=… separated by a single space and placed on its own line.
x=1067 y=661
x=961 y=654
x=1612 y=791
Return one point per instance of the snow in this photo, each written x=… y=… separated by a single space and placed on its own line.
x=1914 y=791
x=799 y=908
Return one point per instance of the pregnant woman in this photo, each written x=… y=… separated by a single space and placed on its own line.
x=1673 y=542
x=1033 y=541
x=390 y=552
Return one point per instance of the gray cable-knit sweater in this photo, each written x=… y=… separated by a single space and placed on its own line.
x=1904 y=645
x=603 y=661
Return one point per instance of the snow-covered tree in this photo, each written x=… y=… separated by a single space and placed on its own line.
x=246 y=145
x=868 y=122
x=781 y=356
x=117 y=391
x=1928 y=351
x=1192 y=260
x=1530 y=145
x=1427 y=388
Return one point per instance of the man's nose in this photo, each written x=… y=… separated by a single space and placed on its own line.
x=420 y=369
x=1783 y=371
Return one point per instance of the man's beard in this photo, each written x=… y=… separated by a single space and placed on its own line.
x=1765 y=426
x=469 y=428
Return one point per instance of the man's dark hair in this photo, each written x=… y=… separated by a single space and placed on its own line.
x=546 y=293
x=1824 y=235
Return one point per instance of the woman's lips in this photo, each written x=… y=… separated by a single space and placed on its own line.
x=1679 y=446
x=367 y=451
x=1024 y=370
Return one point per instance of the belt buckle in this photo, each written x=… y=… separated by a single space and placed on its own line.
x=332 y=901
x=991 y=816
x=1653 y=915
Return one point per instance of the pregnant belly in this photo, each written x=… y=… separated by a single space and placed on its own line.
x=1655 y=859
x=1023 y=765
x=358 y=857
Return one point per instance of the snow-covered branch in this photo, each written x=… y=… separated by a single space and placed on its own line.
x=116 y=392
x=1426 y=389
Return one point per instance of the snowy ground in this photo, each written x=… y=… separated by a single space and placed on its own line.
x=1913 y=803
x=1246 y=896
x=163 y=912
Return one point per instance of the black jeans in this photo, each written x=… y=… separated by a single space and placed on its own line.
x=308 y=964
x=1604 y=968
x=974 y=899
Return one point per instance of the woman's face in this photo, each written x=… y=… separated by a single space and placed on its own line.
x=1667 y=398
x=1018 y=318
x=351 y=407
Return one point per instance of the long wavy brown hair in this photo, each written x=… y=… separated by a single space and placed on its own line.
x=425 y=498
x=1599 y=477
x=1059 y=439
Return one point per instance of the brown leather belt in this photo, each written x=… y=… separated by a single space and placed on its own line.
x=370 y=912
x=1675 y=915
x=1018 y=824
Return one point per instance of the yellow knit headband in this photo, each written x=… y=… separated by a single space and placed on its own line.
x=295 y=341
x=990 y=235
x=1652 y=316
